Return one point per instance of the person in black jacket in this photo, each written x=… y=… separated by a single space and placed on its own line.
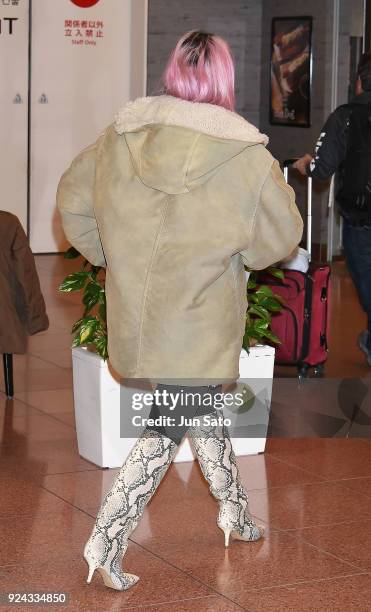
x=344 y=146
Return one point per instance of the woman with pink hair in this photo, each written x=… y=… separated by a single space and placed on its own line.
x=174 y=198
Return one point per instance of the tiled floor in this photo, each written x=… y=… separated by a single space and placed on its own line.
x=314 y=496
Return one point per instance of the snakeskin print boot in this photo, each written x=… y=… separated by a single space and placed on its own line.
x=123 y=507
x=217 y=460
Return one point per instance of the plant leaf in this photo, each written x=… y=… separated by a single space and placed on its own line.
x=100 y=343
x=91 y=295
x=76 y=325
x=271 y=304
x=275 y=272
x=86 y=331
x=265 y=291
x=260 y=325
x=95 y=270
x=260 y=312
x=74 y=282
x=262 y=304
x=251 y=334
x=103 y=307
x=71 y=253
x=272 y=337
x=251 y=283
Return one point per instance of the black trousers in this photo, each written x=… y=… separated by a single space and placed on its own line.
x=175 y=406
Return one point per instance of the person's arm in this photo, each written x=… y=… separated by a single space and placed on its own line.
x=330 y=149
x=75 y=204
x=277 y=226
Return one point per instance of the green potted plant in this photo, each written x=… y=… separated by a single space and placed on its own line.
x=91 y=328
x=262 y=304
x=98 y=395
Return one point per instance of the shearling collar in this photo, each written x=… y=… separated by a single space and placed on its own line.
x=206 y=118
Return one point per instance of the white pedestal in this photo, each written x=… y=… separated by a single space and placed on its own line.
x=97 y=411
x=97 y=407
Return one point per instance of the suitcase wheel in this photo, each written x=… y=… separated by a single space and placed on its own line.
x=303 y=370
x=319 y=370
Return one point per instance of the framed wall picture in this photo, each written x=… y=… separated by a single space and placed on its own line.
x=291 y=71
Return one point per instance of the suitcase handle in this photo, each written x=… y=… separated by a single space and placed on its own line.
x=286 y=164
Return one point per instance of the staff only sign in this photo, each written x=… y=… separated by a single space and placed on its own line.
x=84 y=31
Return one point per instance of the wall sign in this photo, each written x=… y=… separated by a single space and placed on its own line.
x=84 y=32
x=85 y=3
x=7 y=25
x=291 y=71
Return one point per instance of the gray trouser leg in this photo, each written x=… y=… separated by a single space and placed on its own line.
x=192 y=402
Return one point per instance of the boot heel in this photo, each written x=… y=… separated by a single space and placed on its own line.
x=227 y=533
x=92 y=568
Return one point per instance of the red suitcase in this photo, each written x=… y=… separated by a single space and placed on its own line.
x=303 y=324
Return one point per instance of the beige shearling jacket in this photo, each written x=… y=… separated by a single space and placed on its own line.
x=174 y=198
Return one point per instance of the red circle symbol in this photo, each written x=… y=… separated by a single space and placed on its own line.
x=85 y=3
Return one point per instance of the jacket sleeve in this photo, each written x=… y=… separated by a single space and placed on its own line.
x=331 y=146
x=277 y=226
x=75 y=204
x=30 y=303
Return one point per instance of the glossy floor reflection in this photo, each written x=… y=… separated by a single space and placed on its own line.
x=313 y=494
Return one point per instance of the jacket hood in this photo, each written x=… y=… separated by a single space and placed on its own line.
x=176 y=144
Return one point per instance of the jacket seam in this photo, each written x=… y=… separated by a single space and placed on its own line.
x=189 y=158
x=251 y=224
x=236 y=294
x=255 y=213
x=222 y=163
x=93 y=229
x=137 y=169
x=98 y=153
x=146 y=283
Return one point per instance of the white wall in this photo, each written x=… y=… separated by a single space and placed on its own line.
x=13 y=117
x=84 y=84
x=76 y=90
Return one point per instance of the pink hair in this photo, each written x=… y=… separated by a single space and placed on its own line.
x=201 y=69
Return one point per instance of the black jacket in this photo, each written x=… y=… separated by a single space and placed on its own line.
x=331 y=146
